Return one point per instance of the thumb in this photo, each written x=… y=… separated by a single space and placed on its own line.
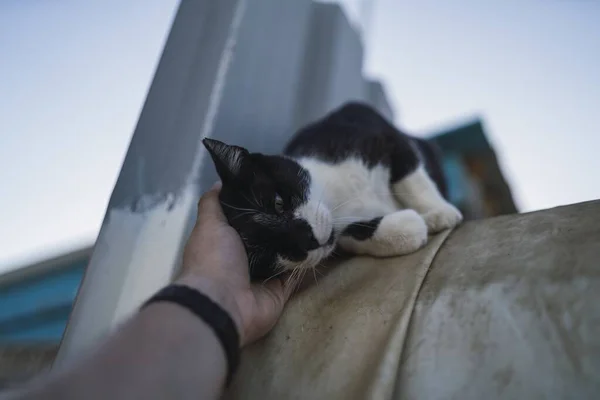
x=270 y=300
x=209 y=207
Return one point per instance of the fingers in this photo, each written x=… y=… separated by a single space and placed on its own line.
x=209 y=207
x=217 y=186
x=270 y=300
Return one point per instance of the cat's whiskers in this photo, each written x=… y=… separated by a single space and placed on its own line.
x=319 y=272
x=344 y=203
x=303 y=275
x=315 y=272
x=299 y=276
x=256 y=200
x=244 y=213
x=336 y=253
x=286 y=286
x=274 y=276
x=250 y=263
x=321 y=196
x=237 y=208
x=255 y=203
x=292 y=277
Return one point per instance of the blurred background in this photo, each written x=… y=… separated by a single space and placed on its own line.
x=509 y=90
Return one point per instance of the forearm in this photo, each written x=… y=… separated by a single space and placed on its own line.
x=167 y=350
x=163 y=352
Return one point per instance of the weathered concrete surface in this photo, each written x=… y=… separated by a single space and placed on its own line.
x=333 y=63
x=507 y=307
x=503 y=308
x=510 y=310
x=259 y=97
x=20 y=363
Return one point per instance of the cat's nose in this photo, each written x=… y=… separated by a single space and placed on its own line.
x=305 y=239
x=310 y=242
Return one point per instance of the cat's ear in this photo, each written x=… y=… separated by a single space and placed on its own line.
x=228 y=159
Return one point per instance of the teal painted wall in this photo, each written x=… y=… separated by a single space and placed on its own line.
x=36 y=309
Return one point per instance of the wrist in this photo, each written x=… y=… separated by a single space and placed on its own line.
x=217 y=292
x=214 y=307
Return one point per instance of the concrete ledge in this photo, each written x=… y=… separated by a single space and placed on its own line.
x=507 y=307
x=21 y=363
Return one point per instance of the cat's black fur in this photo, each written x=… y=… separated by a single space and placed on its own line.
x=254 y=186
x=261 y=194
x=357 y=129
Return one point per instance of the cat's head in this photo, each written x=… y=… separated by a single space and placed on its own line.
x=273 y=204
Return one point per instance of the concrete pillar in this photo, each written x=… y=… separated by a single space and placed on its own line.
x=375 y=95
x=333 y=67
x=333 y=64
x=259 y=96
x=157 y=191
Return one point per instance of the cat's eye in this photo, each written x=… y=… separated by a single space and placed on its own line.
x=278 y=204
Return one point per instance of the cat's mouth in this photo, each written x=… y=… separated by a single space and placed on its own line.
x=331 y=239
x=325 y=249
x=313 y=256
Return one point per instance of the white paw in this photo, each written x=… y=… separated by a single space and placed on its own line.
x=445 y=217
x=399 y=233
x=404 y=232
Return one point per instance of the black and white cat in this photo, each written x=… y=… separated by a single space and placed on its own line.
x=350 y=180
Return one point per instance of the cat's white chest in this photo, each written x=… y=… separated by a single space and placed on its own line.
x=352 y=191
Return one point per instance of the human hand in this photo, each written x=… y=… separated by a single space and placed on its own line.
x=215 y=262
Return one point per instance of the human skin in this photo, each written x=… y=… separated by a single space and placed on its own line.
x=165 y=351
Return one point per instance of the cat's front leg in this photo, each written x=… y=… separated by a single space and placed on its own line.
x=418 y=191
x=394 y=234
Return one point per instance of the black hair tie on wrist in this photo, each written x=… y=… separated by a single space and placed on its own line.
x=211 y=313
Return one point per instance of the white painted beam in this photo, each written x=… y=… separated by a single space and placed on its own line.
x=149 y=212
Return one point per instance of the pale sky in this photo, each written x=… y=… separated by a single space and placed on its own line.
x=73 y=76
